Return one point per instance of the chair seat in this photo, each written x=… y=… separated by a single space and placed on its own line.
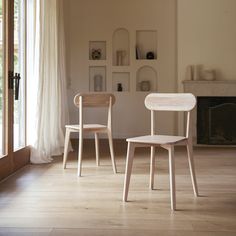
x=88 y=127
x=156 y=139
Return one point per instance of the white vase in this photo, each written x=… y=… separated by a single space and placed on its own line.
x=189 y=72
x=145 y=85
x=119 y=58
x=196 y=72
x=97 y=83
x=209 y=74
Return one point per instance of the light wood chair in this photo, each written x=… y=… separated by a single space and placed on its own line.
x=91 y=100
x=164 y=102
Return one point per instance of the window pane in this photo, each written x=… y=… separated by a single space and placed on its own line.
x=19 y=67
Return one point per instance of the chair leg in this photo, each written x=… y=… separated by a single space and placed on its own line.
x=97 y=148
x=128 y=169
x=111 y=151
x=192 y=169
x=80 y=154
x=152 y=167
x=66 y=146
x=172 y=177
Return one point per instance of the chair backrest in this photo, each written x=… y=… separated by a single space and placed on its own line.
x=170 y=101
x=94 y=99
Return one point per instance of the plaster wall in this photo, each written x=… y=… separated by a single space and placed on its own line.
x=90 y=20
x=206 y=36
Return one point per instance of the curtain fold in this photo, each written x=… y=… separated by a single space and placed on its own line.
x=47 y=81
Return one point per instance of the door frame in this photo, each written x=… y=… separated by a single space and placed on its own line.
x=12 y=161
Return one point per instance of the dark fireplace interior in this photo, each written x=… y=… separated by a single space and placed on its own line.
x=216 y=120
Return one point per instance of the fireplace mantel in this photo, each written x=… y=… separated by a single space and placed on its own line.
x=210 y=88
x=221 y=88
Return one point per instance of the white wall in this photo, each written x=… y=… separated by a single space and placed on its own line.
x=96 y=20
x=207 y=36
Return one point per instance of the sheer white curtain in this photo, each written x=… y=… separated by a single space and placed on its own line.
x=47 y=109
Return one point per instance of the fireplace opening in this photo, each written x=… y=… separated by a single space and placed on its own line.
x=216 y=120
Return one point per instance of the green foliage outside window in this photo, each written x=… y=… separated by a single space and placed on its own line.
x=16 y=3
x=16 y=9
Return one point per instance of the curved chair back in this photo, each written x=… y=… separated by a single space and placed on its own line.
x=170 y=101
x=94 y=99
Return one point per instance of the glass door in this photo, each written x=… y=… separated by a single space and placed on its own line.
x=13 y=153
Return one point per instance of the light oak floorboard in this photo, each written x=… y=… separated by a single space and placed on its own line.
x=47 y=200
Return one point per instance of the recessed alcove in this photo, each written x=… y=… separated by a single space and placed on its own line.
x=97 y=78
x=120 y=47
x=97 y=50
x=146 y=79
x=120 y=80
x=146 y=44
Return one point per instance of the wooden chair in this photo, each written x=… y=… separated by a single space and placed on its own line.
x=164 y=102
x=92 y=100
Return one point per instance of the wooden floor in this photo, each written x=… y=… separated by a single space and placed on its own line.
x=46 y=200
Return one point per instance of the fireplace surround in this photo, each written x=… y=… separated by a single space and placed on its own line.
x=216 y=120
x=214 y=116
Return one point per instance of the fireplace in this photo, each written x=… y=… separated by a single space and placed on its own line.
x=216 y=120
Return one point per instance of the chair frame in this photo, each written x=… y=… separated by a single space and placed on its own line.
x=91 y=100
x=164 y=102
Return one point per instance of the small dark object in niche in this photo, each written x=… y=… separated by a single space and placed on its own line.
x=96 y=54
x=150 y=55
x=119 y=87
